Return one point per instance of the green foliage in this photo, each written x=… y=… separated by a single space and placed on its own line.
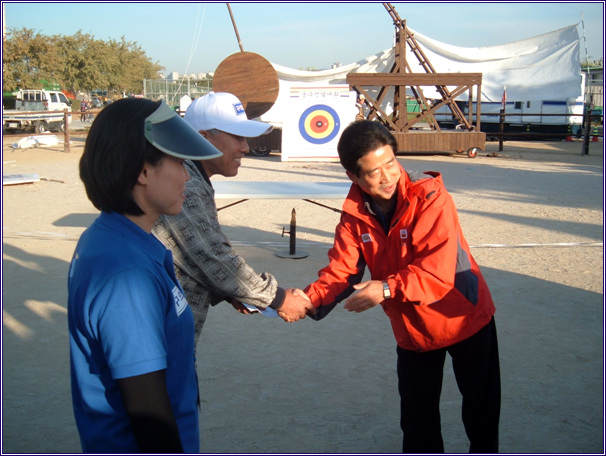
x=76 y=63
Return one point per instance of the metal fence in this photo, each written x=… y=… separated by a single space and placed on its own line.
x=173 y=90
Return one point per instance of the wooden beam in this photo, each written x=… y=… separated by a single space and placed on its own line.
x=414 y=79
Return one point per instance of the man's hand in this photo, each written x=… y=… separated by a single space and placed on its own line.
x=240 y=307
x=296 y=305
x=369 y=295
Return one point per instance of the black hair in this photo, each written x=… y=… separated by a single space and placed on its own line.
x=114 y=155
x=361 y=137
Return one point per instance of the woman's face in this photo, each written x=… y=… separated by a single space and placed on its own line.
x=164 y=189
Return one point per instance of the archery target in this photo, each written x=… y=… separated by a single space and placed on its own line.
x=319 y=124
x=314 y=117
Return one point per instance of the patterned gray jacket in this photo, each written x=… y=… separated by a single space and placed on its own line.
x=205 y=262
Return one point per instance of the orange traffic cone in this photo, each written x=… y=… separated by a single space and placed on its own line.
x=595 y=137
x=569 y=135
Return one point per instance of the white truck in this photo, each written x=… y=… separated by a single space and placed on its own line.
x=37 y=110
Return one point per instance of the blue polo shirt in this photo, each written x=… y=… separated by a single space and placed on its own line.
x=127 y=316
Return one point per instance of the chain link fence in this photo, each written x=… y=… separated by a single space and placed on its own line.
x=173 y=90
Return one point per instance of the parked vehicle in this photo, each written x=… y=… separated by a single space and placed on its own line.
x=96 y=103
x=37 y=110
x=548 y=118
x=545 y=117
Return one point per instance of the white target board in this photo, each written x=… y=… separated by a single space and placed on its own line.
x=314 y=120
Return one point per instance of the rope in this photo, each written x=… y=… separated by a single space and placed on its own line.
x=194 y=46
x=556 y=244
x=479 y=246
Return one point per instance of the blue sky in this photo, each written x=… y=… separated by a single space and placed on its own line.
x=196 y=37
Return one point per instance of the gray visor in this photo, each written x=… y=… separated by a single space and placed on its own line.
x=167 y=131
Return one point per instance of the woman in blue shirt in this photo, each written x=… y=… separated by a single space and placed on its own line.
x=134 y=384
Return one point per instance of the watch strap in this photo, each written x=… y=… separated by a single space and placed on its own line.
x=386 y=291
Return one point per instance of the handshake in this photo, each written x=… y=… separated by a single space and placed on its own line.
x=295 y=306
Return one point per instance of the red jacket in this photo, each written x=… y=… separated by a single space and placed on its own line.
x=439 y=296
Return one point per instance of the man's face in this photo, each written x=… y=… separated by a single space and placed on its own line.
x=379 y=174
x=233 y=148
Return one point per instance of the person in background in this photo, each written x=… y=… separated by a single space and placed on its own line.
x=83 y=109
x=206 y=264
x=132 y=358
x=362 y=106
x=405 y=228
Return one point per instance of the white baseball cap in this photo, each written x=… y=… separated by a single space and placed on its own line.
x=223 y=111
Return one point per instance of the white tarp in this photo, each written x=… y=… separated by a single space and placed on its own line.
x=545 y=67
x=289 y=78
x=36 y=141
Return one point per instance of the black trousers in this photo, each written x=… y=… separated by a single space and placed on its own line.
x=475 y=363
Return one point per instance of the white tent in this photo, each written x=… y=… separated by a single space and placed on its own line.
x=545 y=67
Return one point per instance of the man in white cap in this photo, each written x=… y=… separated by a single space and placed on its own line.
x=207 y=266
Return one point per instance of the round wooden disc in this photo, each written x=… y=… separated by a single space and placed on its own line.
x=251 y=78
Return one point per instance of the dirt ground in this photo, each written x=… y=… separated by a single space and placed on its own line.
x=533 y=215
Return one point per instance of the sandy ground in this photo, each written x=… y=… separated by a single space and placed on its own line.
x=534 y=216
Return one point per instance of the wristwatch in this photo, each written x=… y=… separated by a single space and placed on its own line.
x=386 y=292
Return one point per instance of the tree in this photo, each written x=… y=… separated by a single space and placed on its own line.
x=25 y=60
x=131 y=66
x=77 y=63
x=79 y=71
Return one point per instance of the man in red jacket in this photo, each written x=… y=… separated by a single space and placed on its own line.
x=406 y=229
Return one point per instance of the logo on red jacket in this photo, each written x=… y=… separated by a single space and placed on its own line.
x=404 y=234
x=366 y=237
